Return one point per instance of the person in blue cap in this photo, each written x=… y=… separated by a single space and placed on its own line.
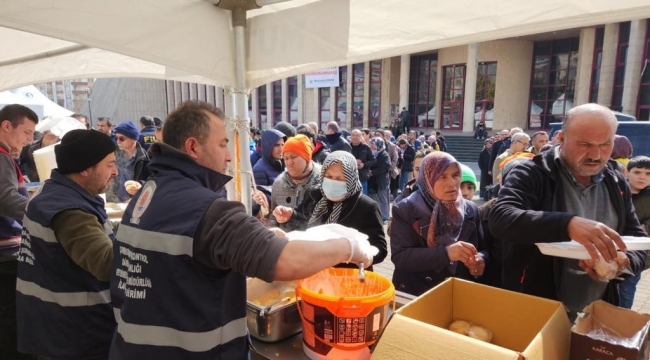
x=128 y=153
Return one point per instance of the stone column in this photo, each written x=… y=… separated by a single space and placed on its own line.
x=347 y=124
x=585 y=64
x=299 y=99
x=269 y=105
x=608 y=65
x=404 y=73
x=633 y=66
x=470 y=87
x=285 y=101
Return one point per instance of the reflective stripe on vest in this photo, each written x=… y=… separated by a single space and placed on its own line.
x=70 y=299
x=189 y=341
x=47 y=235
x=154 y=241
x=39 y=231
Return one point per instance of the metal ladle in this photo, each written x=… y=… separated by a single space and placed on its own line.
x=268 y=308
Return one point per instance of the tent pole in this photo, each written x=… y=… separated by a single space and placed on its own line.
x=241 y=108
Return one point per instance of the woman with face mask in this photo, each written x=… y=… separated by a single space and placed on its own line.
x=338 y=201
x=435 y=233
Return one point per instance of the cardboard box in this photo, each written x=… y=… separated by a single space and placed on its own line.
x=627 y=323
x=523 y=326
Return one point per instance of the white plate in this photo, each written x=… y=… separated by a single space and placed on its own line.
x=573 y=250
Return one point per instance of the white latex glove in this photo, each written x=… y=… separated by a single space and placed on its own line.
x=361 y=251
x=360 y=248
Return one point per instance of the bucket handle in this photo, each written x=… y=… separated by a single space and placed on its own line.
x=334 y=345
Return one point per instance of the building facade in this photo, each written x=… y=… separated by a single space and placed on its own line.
x=529 y=82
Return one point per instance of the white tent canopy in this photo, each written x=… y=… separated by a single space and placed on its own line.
x=192 y=40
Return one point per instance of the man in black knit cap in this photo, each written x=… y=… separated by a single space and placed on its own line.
x=62 y=291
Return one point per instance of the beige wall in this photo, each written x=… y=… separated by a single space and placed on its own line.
x=384 y=120
x=585 y=64
x=393 y=83
x=310 y=99
x=514 y=60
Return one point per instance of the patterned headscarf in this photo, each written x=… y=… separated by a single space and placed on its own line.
x=446 y=216
x=379 y=143
x=349 y=164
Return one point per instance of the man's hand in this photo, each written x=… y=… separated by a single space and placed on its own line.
x=461 y=251
x=477 y=265
x=596 y=237
x=282 y=214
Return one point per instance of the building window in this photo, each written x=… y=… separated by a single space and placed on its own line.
x=422 y=89
x=357 y=95
x=375 y=94
x=553 y=79
x=453 y=91
x=595 y=65
x=619 y=73
x=292 y=98
x=643 y=112
x=486 y=79
x=277 y=101
x=261 y=106
x=324 y=106
x=342 y=95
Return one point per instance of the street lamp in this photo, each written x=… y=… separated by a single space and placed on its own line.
x=90 y=108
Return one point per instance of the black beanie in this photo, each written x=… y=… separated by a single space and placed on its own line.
x=81 y=149
x=286 y=128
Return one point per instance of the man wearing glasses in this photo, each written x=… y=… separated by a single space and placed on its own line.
x=519 y=143
x=128 y=153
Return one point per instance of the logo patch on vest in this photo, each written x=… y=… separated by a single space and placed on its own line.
x=143 y=201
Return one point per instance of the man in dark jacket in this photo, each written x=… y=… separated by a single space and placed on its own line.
x=494 y=153
x=269 y=166
x=569 y=192
x=147 y=132
x=483 y=162
x=335 y=139
x=406 y=120
x=320 y=148
x=408 y=155
x=364 y=156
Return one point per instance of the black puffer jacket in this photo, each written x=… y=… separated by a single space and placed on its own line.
x=359 y=212
x=530 y=210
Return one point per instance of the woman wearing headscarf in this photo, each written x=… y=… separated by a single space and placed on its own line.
x=379 y=177
x=435 y=233
x=301 y=173
x=338 y=201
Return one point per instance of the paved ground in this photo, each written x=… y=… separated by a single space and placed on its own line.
x=641 y=300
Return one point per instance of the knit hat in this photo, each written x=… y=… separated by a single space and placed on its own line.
x=468 y=175
x=299 y=145
x=81 y=149
x=286 y=128
x=128 y=129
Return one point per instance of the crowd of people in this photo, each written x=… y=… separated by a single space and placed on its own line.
x=86 y=287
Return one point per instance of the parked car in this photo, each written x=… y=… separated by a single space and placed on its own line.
x=637 y=131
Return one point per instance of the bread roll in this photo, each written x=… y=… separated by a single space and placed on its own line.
x=131 y=185
x=480 y=333
x=460 y=326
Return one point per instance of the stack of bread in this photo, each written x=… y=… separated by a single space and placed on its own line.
x=472 y=330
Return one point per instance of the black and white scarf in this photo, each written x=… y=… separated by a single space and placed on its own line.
x=349 y=164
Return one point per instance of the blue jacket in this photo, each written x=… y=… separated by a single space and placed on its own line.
x=168 y=305
x=147 y=137
x=267 y=169
x=419 y=268
x=62 y=310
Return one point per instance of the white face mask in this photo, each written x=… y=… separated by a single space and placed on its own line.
x=334 y=190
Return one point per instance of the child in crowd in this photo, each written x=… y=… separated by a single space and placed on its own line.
x=638 y=176
x=468 y=182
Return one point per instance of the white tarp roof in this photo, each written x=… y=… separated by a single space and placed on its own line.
x=191 y=40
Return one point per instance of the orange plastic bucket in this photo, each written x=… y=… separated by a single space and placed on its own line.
x=341 y=316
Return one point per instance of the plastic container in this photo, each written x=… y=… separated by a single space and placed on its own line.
x=574 y=250
x=341 y=316
x=45 y=161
